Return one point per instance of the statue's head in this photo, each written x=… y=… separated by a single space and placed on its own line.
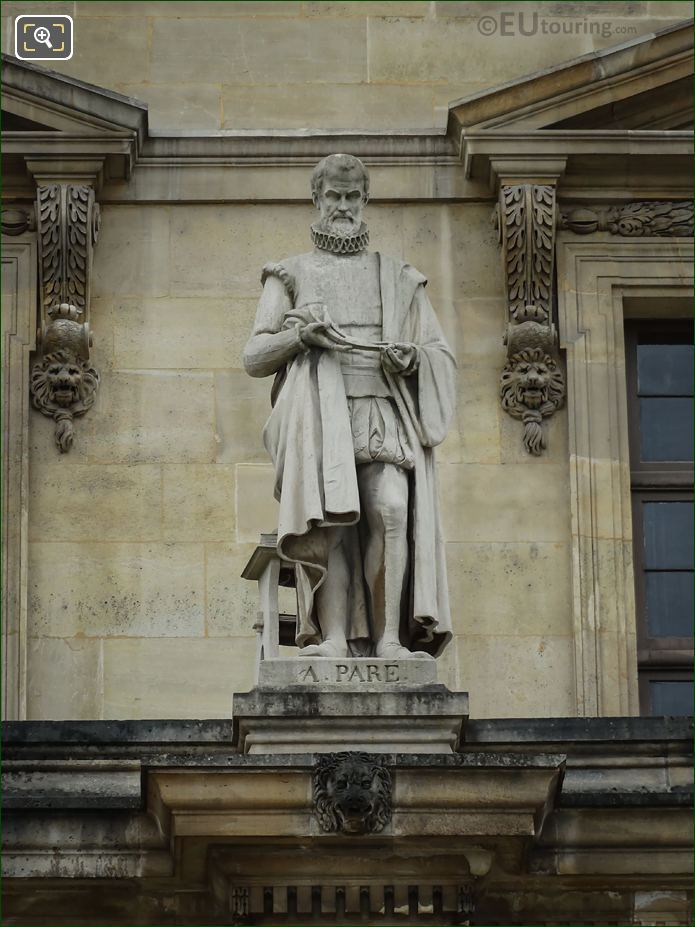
x=340 y=191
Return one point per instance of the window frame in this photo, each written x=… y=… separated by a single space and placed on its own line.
x=665 y=674
x=645 y=473
x=658 y=658
x=604 y=278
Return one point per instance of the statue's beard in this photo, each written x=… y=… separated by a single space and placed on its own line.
x=338 y=225
x=339 y=240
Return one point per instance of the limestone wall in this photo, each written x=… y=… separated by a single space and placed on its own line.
x=369 y=64
x=139 y=534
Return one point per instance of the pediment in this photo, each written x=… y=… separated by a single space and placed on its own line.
x=13 y=122
x=38 y=99
x=643 y=84
x=48 y=116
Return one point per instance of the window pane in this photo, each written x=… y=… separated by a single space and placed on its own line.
x=666 y=429
x=670 y=604
x=672 y=698
x=668 y=535
x=665 y=369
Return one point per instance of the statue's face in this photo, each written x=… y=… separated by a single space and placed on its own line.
x=341 y=203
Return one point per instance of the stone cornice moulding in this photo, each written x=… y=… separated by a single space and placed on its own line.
x=667 y=150
x=87 y=123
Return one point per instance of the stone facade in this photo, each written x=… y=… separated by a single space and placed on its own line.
x=135 y=571
x=191 y=130
x=574 y=821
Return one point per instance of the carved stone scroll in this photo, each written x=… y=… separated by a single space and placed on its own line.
x=633 y=220
x=63 y=382
x=532 y=385
x=352 y=793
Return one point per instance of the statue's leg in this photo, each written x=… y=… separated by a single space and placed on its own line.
x=331 y=601
x=384 y=500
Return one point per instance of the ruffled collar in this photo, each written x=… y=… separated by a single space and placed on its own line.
x=341 y=244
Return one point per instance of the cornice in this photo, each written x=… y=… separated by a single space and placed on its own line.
x=499 y=129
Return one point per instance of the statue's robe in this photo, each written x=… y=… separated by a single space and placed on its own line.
x=310 y=441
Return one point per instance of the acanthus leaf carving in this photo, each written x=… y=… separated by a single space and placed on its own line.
x=532 y=385
x=663 y=219
x=50 y=245
x=63 y=381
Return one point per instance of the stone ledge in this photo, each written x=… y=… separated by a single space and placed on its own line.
x=428 y=719
x=177 y=734
x=565 y=730
x=72 y=784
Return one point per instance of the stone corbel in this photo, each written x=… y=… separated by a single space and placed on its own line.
x=63 y=381
x=532 y=384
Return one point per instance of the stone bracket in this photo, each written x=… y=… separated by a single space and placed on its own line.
x=532 y=385
x=63 y=381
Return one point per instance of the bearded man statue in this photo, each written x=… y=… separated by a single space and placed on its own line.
x=364 y=390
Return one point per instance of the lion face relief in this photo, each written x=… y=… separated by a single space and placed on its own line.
x=531 y=380
x=59 y=381
x=352 y=793
x=64 y=382
x=532 y=388
x=63 y=386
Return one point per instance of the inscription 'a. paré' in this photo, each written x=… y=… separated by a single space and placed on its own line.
x=355 y=673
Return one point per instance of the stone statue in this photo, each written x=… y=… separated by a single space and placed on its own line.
x=364 y=390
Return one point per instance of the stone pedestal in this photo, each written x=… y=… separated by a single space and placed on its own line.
x=322 y=705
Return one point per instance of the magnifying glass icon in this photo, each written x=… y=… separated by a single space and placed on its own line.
x=42 y=35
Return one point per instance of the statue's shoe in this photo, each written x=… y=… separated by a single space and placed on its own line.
x=326 y=649
x=391 y=650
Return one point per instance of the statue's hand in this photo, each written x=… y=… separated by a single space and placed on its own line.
x=318 y=335
x=316 y=329
x=400 y=358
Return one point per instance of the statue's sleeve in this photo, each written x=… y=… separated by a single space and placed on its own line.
x=270 y=347
x=436 y=372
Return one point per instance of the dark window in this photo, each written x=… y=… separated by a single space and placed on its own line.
x=659 y=358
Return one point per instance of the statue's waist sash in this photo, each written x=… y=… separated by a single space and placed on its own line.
x=363 y=375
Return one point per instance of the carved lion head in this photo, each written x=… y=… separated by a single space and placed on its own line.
x=531 y=379
x=63 y=386
x=352 y=793
x=60 y=381
x=532 y=388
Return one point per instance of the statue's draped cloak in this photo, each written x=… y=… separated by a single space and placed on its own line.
x=309 y=439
